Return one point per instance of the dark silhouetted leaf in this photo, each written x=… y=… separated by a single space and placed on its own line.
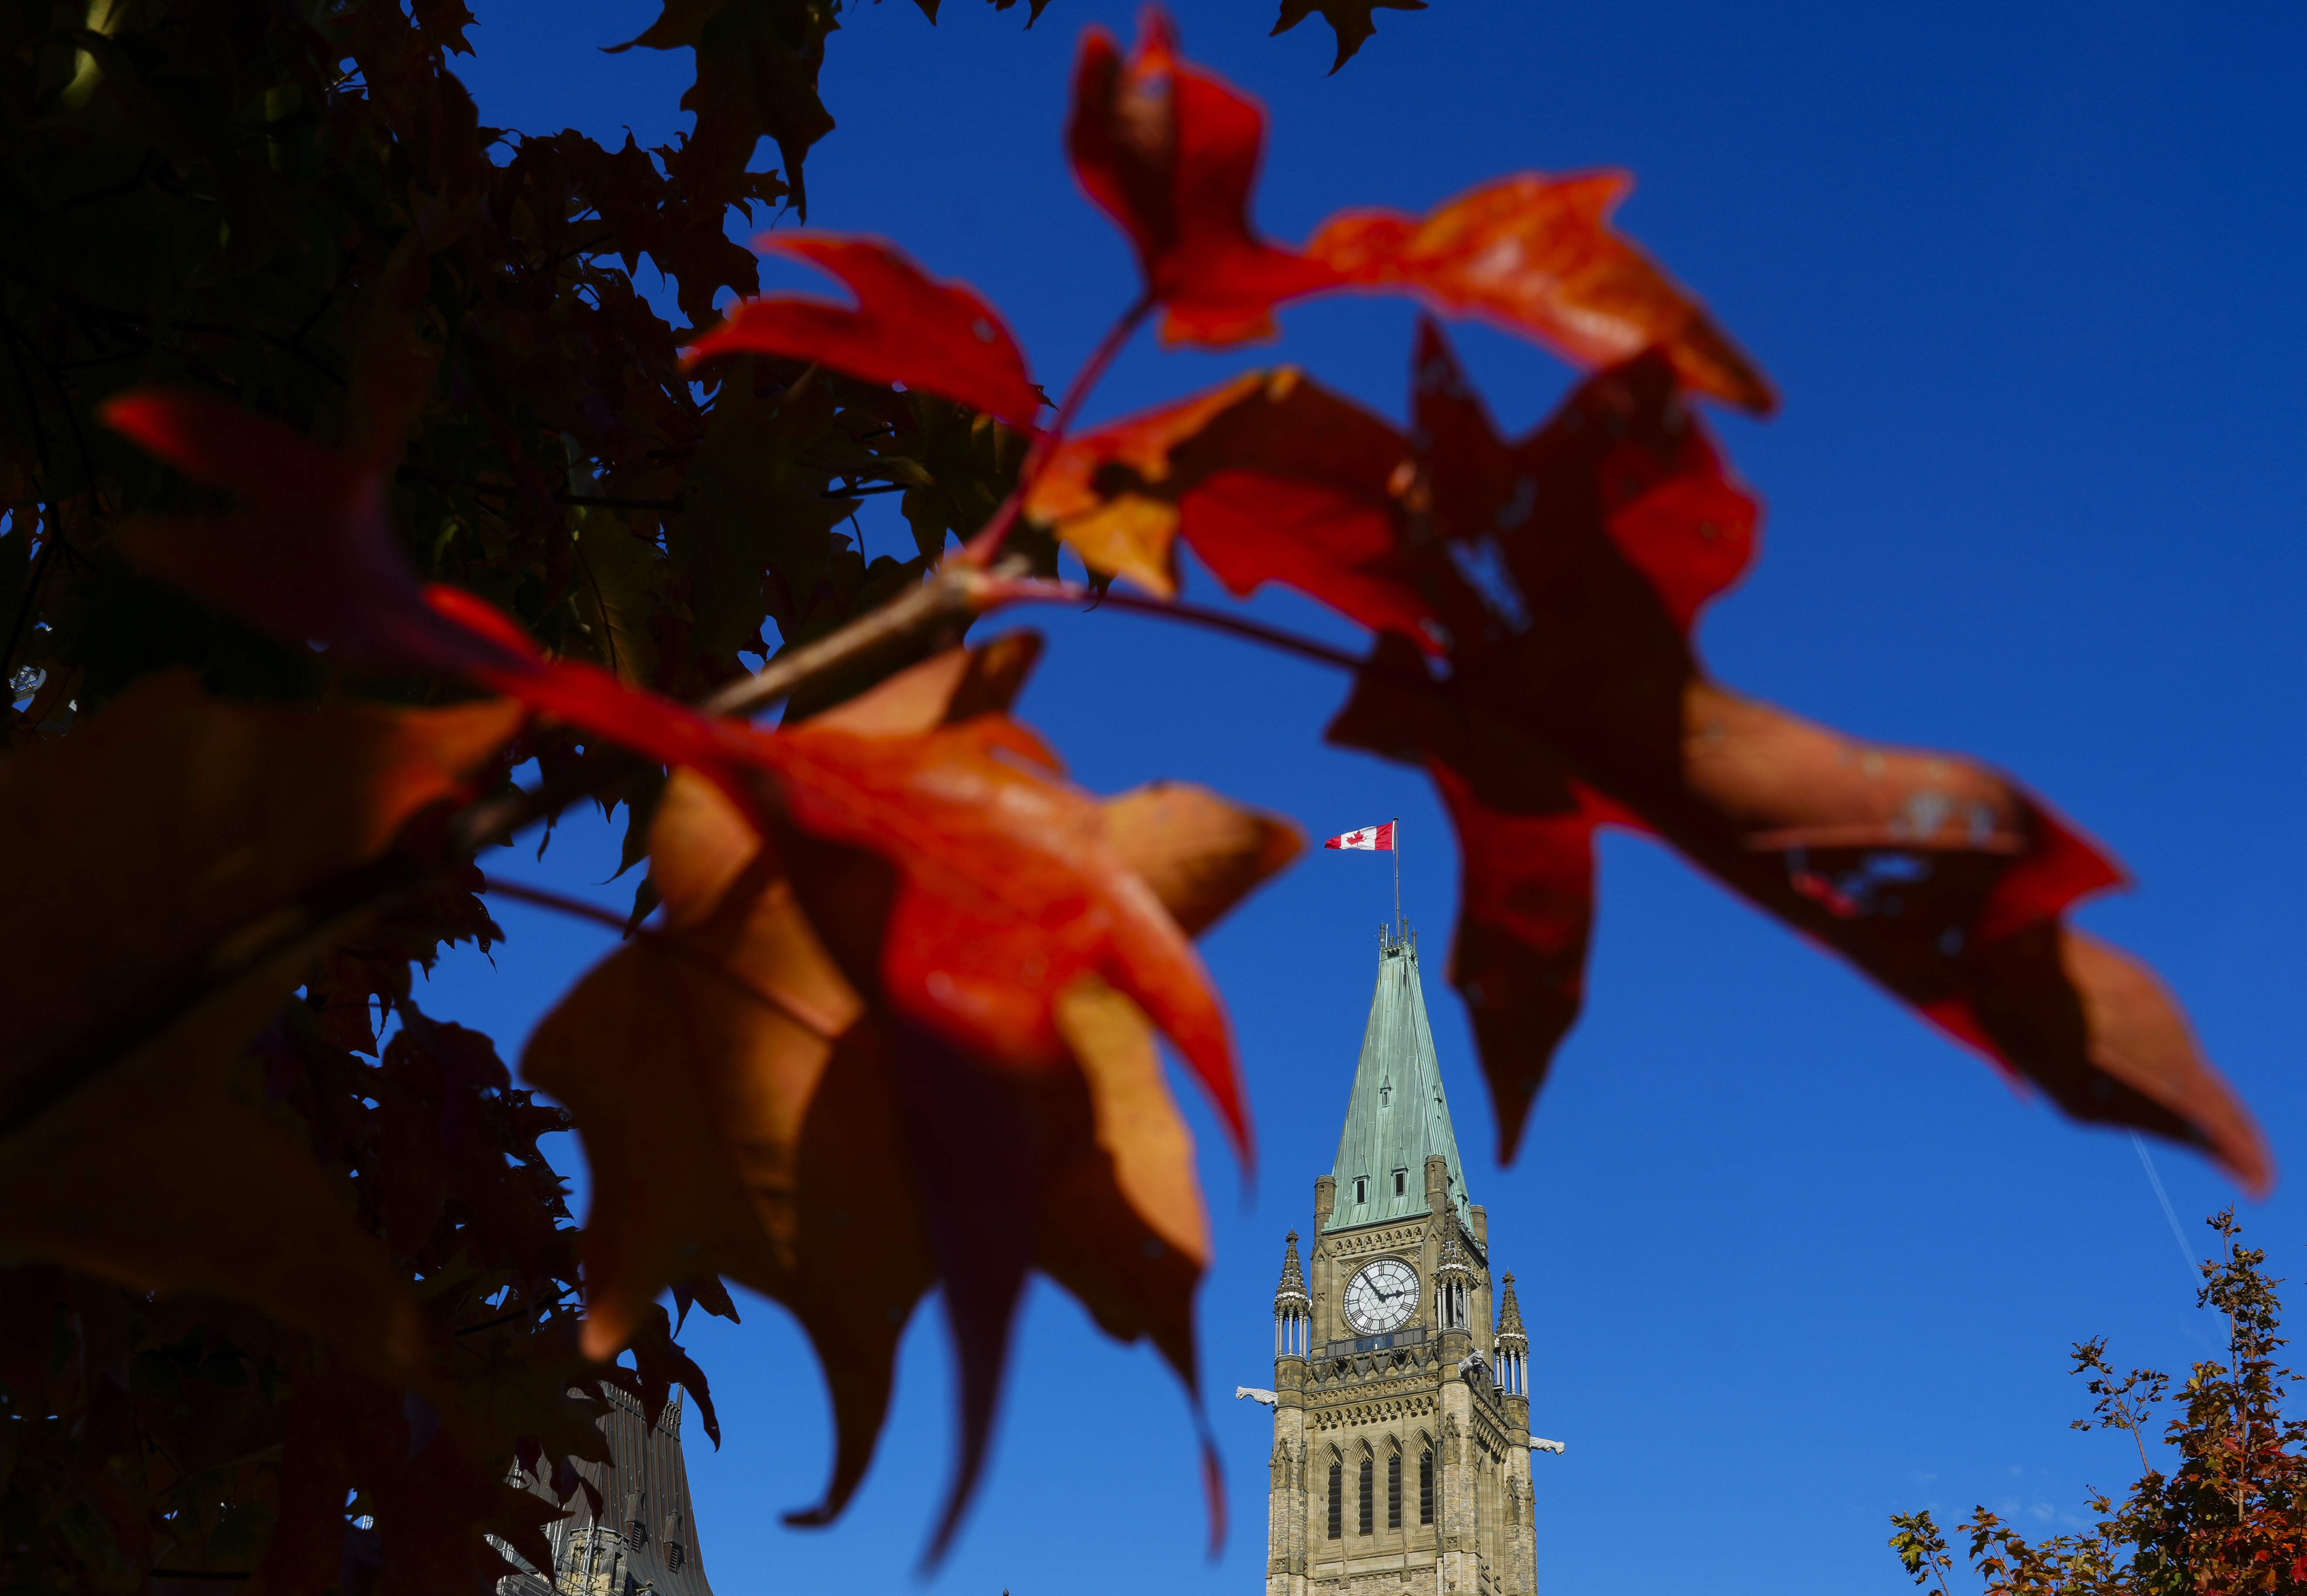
x=757 y=66
x=1350 y=20
x=135 y=1142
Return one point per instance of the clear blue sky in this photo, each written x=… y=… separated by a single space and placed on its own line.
x=2029 y=280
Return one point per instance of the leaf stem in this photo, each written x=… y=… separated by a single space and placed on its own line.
x=527 y=1310
x=1273 y=637
x=980 y=550
x=1093 y=371
x=544 y=899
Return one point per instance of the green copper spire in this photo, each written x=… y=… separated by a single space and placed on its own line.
x=1397 y=1116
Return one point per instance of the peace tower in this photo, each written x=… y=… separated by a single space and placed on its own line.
x=636 y=1535
x=1401 y=1415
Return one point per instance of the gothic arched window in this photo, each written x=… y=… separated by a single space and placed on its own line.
x=1337 y=1499
x=1425 y=1487
x=1365 y=1503
x=1394 y=1490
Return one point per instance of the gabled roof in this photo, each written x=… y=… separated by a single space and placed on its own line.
x=1397 y=1116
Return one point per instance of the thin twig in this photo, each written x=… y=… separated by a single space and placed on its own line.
x=953 y=594
x=197 y=1574
x=980 y=550
x=97 y=196
x=1289 y=642
x=1273 y=637
x=526 y=1311
x=1094 y=369
x=544 y=899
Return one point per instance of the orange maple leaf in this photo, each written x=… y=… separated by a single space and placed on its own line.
x=1537 y=255
x=842 y=1156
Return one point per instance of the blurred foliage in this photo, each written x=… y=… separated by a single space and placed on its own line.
x=2229 y=1516
x=295 y=206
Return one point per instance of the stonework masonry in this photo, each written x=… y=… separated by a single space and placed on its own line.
x=1401 y=1459
x=643 y=1542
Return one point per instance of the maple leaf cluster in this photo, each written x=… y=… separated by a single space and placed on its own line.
x=341 y=522
x=2229 y=1514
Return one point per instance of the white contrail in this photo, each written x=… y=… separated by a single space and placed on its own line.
x=2169 y=1213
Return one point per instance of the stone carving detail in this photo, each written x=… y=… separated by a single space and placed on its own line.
x=1399 y=1236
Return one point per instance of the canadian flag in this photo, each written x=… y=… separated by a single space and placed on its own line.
x=1369 y=838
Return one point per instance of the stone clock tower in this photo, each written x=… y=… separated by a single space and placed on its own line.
x=1401 y=1415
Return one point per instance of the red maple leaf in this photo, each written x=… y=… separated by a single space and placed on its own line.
x=1538 y=256
x=1558 y=576
x=1567 y=567
x=894 y=1079
x=1007 y=894
x=906 y=327
x=1171 y=151
x=1269 y=478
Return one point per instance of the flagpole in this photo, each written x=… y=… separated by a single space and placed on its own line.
x=1397 y=878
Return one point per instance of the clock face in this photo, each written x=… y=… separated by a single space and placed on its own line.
x=1381 y=1297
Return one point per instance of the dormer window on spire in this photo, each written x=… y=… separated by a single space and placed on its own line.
x=1389 y=1137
